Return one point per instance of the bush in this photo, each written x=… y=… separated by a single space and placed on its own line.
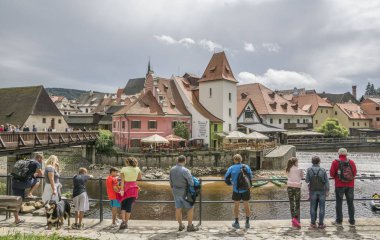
x=104 y=143
x=332 y=128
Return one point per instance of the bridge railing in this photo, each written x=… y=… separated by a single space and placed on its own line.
x=323 y=140
x=101 y=201
x=11 y=140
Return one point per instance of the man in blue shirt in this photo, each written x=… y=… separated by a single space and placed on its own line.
x=238 y=194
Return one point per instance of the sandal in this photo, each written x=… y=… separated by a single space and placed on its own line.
x=19 y=222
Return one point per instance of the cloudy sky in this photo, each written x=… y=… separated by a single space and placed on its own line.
x=327 y=45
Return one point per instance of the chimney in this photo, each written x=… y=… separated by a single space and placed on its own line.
x=354 y=91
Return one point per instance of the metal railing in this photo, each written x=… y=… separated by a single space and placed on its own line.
x=324 y=140
x=199 y=201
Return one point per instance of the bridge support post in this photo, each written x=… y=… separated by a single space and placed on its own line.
x=89 y=153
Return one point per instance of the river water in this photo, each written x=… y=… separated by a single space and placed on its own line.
x=367 y=161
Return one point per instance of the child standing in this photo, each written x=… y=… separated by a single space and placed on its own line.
x=113 y=188
x=80 y=198
x=295 y=176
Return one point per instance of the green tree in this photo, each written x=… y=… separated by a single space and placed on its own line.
x=104 y=142
x=181 y=130
x=332 y=128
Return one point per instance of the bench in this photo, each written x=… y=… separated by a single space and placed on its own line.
x=10 y=203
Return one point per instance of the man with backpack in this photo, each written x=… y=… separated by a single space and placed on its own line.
x=240 y=176
x=180 y=179
x=319 y=187
x=343 y=170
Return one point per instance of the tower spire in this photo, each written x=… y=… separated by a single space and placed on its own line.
x=149 y=68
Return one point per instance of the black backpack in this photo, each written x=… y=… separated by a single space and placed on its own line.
x=345 y=172
x=244 y=179
x=316 y=182
x=21 y=170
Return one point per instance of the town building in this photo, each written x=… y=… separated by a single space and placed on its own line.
x=65 y=106
x=346 y=97
x=217 y=91
x=371 y=107
x=313 y=104
x=30 y=106
x=255 y=101
x=351 y=115
x=89 y=101
x=157 y=111
x=105 y=121
x=204 y=125
x=288 y=94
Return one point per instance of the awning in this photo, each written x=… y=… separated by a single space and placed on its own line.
x=257 y=136
x=262 y=128
x=155 y=139
x=236 y=135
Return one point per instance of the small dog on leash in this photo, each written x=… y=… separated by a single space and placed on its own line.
x=57 y=212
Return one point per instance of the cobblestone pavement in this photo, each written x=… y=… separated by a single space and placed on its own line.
x=267 y=229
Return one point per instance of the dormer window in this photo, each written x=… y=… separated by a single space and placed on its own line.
x=271 y=95
x=273 y=104
x=284 y=105
x=212 y=69
x=227 y=69
x=244 y=95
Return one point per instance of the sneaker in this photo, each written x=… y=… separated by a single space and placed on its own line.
x=181 y=227
x=123 y=226
x=313 y=226
x=335 y=223
x=247 y=225
x=113 y=226
x=192 y=228
x=352 y=223
x=236 y=225
x=322 y=226
x=296 y=223
x=75 y=226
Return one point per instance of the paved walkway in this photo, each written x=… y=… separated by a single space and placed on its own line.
x=267 y=229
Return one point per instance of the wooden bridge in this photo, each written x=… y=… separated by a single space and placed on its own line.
x=26 y=142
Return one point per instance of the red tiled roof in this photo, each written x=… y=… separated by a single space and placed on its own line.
x=310 y=102
x=352 y=110
x=265 y=101
x=146 y=104
x=218 y=69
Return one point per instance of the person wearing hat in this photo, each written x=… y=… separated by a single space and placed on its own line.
x=343 y=170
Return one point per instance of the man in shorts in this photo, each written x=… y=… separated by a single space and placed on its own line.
x=231 y=178
x=180 y=178
x=112 y=185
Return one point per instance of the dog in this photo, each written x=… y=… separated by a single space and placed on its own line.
x=56 y=212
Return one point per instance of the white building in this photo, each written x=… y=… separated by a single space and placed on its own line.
x=217 y=91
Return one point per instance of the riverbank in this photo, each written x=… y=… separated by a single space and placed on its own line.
x=263 y=229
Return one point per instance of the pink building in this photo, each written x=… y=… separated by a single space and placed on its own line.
x=156 y=111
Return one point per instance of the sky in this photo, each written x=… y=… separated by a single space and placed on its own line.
x=327 y=45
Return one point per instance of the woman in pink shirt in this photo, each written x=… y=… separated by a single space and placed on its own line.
x=295 y=176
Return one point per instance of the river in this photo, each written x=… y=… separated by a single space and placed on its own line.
x=367 y=163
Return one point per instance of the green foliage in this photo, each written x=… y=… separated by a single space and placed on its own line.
x=332 y=128
x=370 y=89
x=181 y=130
x=104 y=142
x=27 y=236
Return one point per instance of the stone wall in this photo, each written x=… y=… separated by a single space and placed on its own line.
x=278 y=158
x=195 y=159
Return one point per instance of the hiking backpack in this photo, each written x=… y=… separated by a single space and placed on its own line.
x=345 y=172
x=244 y=180
x=316 y=182
x=21 y=169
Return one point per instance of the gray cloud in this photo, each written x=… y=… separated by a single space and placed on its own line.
x=325 y=44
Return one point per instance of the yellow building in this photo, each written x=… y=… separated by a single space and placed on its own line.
x=351 y=115
x=316 y=106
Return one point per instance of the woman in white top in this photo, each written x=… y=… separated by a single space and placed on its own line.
x=52 y=185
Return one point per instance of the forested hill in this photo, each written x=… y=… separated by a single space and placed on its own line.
x=68 y=93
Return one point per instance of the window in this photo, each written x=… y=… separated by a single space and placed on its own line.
x=298 y=121
x=59 y=121
x=114 y=124
x=229 y=112
x=86 y=110
x=365 y=124
x=152 y=124
x=135 y=142
x=229 y=127
x=230 y=97
x=316 y=121
x=215 y=127
x=358 y=124
x=378 y=119
x=248 y=114
x=64 y=113
x=353 y=124
x=271 y=120
x=336 y=113
x=327 y=111
x=377 y=108
x=43 y=120
x=304 y=120
x=288 y=120
x=123 y=124
x=210 y=92
x=279 y=121
x=135 y=124
x=321 y=110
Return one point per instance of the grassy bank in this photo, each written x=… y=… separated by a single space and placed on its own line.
x=24 y=236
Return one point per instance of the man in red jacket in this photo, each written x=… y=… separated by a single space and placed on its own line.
x=344 y=174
